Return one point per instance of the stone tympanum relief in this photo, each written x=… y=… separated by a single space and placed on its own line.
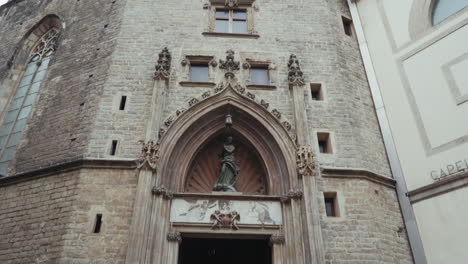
x=226 y=213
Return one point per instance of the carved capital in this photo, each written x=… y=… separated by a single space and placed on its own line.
x=295 y=75
x=277 y=239
x=163 y=67
x=162 y=190
x=174 y=236
x=292 y=195
x=306 y=162
x=149 y=157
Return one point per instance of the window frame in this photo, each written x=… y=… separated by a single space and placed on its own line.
x=231 y=19
x=269 y=66
x=193 y=60
x=435 y=5
x=39 y=56
x=215 y=5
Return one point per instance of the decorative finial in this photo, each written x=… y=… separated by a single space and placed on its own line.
x=163 y=68
x=295 y=76
x=229 y=65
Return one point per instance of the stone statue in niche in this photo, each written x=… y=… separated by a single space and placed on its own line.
x=229 y=169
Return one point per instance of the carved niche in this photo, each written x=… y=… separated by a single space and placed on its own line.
x=305 y=159
x=163 y=67
x=295 y=75
x=206 y=166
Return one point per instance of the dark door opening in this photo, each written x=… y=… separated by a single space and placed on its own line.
x=226 y=251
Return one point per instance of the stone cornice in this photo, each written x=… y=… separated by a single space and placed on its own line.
x=437 y=188
x=68 y=166
x=329 y=172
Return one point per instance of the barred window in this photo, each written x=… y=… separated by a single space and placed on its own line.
x=20 y=106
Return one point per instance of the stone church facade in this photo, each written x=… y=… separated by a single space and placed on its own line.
x=115 y=116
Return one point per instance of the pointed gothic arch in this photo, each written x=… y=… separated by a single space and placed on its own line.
x=204 y=121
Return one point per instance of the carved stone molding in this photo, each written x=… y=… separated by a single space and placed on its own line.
x=174 y=236
x=231 y=3
x=149 y=155
x=236 y=87
x=162 y=190
x=229 y=65
x=306 y=162
x=163 y=68
x=294 y=194
x=295 y=75
x=225 y=220
x=277 y=239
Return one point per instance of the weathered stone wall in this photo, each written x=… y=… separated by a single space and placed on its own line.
x=34 y=217
x=51 y=219
x=369 y=228
x=58 y=128
x=109 y=192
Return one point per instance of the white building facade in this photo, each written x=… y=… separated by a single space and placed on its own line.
x=416 y=57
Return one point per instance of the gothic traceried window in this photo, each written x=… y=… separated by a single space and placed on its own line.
x=22 y=102
x=445 y=8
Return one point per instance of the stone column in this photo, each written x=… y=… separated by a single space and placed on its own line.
x=174 y=239
x=307 y=169
x=139 y=230
x=277 y=242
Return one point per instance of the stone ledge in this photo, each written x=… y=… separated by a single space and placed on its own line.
x=227 y=196
x=68 y=166
x=197 y=84
x=260 y=87
x=446 y=185
x=358 y=174
x=230 y=35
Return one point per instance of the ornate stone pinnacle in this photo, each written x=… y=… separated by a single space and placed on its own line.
x=163 y=68
x=149 y=155
x=229 y=65
x=174 y=236
x=295 y=75
x=305 y=159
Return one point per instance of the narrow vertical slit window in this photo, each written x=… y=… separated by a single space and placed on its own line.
x=123 y=102
x=347 y=26
x=316 y=92
x=331 y=204
x=113 y=147
x=97 y=224
x=21 y=105
x=324 y=143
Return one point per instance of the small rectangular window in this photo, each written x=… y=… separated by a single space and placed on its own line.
x=231 y=21
x=324 y=143
x=97 y=224
x=316 y=91
x=348 y=26
x=331 y=204
x=199 y=73
x=259 y=76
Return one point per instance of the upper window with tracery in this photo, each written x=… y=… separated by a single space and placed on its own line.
x=21 y=104
x=445 y=8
